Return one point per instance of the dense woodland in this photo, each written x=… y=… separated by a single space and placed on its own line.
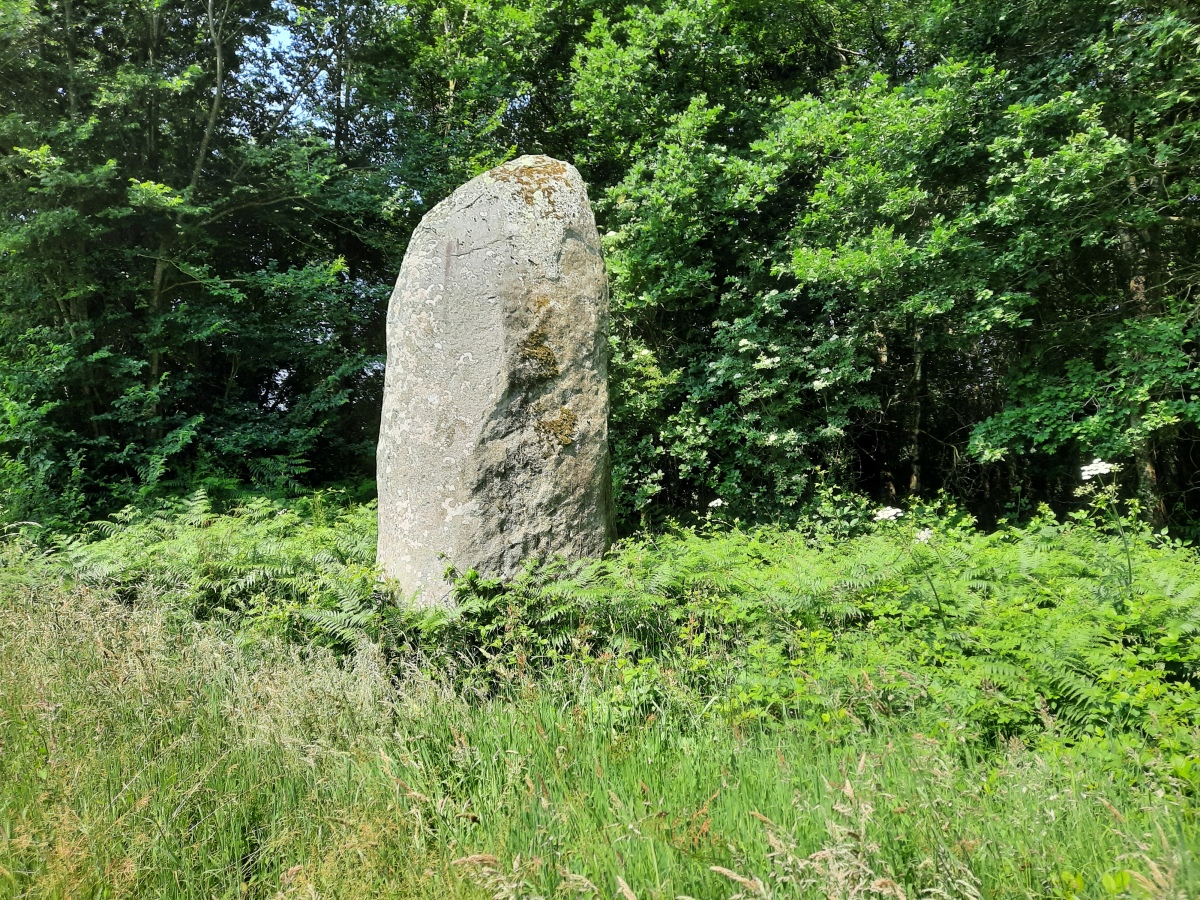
x=894 y=248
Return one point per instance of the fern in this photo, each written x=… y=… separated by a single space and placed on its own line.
x=996 y=635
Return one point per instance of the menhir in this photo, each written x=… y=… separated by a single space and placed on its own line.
x=494 y=446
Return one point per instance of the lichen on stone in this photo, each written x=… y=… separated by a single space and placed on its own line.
x=530 y=178
x=558 y=429
x=541 y=359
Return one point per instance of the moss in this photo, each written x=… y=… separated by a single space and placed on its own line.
x=558 y=429
x=540 y=357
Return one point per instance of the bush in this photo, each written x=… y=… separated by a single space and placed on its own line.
x=1023 y=633
x=270 y=567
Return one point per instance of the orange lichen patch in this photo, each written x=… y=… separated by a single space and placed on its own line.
x=539 y=355
x=558 y=429
x=531 y=178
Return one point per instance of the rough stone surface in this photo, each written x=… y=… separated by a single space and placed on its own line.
x=494 y=440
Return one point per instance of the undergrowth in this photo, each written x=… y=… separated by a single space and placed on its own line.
x=208 y=701
x=1068 y=631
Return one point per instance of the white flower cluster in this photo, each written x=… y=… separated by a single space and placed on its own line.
x=924 y=535
x=717 y=502
x=888 y=514
x=1097 y=467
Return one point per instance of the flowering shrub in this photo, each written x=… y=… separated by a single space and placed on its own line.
x=1097 y=467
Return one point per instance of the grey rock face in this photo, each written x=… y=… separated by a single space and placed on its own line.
x=494 y=441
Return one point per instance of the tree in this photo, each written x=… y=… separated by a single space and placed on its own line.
x=892 y=247
x=163 y=307
x=912 y=276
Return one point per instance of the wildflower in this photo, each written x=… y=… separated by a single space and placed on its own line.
x=888 y=514
x=1097 y=467
x=924 y=535
x=717 y=502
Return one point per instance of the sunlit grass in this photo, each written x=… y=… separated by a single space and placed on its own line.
x=143 y=754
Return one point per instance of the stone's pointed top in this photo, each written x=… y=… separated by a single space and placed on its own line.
x=493 y=446
x=534 y=172
x=547 y=190
x=535 y=165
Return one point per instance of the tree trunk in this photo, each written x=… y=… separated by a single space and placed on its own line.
x=1150 y=491
x=1138 y=248
x=914 y=426
x=72 y=91
x=214 y=110
x=158 y=282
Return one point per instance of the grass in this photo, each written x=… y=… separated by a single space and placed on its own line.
x=146 y=753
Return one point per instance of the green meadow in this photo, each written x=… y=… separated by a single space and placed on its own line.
x=221 y=702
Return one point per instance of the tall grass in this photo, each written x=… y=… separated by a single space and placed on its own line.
x=145 y=753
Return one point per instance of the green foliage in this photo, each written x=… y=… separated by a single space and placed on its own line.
x=304 y=569
x=1080 y=632
x=965 y=275
x=1021 y=633
x=162 y=313
x=886 y=248
x=145 y=753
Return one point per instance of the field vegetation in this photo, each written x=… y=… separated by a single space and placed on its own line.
x=216 y=699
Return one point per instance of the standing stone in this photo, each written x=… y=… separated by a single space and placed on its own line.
x=494 y=441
